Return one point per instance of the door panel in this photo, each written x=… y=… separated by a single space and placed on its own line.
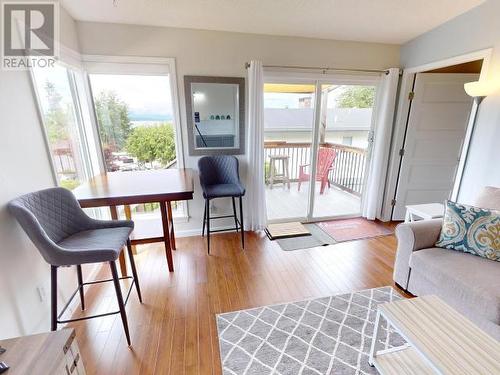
x=342 y=149
x=288 y=132
x=436 y=129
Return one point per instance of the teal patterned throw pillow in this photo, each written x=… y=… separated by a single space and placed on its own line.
x=472 y=230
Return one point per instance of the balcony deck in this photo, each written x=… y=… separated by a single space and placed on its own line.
x=284 y=204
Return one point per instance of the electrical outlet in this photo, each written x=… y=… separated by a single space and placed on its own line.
x=41 y=293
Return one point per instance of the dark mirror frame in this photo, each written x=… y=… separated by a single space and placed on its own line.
x=193 y=151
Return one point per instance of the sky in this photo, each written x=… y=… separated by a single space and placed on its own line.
x=147 y=97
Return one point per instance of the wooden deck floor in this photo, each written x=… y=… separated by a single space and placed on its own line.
x=284 y=203
x=174 y=331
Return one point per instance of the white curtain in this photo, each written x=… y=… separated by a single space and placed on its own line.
x=256 y=198
x=379 y=155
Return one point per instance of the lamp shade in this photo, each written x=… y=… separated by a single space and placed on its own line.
x=479 y=89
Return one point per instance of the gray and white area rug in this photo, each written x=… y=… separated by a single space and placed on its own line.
x=330 y=335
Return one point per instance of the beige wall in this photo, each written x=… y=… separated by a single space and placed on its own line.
x=25 y=168
x=224 y=54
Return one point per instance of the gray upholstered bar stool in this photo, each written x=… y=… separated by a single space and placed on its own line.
x=220 y=178
x=66 y=236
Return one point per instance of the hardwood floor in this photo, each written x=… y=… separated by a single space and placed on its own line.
x=174 y=331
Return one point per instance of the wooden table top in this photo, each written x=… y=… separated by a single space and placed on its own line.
x=449 y=341
x=118 y=188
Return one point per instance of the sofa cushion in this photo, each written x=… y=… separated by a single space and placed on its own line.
x=472 y=230
x=474 y=280
x=489 y=198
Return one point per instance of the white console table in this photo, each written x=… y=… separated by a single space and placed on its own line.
x=439 y=341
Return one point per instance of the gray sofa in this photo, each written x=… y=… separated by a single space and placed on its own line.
x=467 y=282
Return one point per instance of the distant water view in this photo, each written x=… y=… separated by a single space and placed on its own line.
x=149 y=117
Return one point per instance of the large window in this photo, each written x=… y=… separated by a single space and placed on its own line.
x=60 y=108
x=135 y=118
x=136 y=123
x=130 y=128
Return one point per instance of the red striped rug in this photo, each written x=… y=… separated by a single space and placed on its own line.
x=354 y=229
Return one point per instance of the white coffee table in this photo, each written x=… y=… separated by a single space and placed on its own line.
x=439 y=341
x=424 y=211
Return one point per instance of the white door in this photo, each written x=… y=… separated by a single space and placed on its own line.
x=436 y=128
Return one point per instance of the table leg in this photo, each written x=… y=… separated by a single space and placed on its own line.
x=128 y=215
x=171 y=223
x=376 y=336
x=123 y=263
x=166 y=236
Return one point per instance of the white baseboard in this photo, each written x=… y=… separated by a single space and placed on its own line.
x=197 y=231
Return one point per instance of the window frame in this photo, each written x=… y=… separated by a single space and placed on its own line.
x=133 y=65
x=73 y=70
x=98 y=64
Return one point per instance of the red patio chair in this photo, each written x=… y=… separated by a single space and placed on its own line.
x=326 y=157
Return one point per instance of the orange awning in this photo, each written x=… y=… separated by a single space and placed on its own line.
x=291 y=88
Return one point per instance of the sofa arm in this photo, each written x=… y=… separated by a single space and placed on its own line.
x=413 y=237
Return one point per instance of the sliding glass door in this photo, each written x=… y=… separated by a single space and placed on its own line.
x=343 y=141
x=288 y=133
x=317 y=138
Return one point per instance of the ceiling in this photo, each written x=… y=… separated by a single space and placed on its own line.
x=385 y=21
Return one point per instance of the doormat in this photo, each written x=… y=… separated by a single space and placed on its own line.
x=354 y=229
x=330 y=335
x=286 y=230
x=317 y=237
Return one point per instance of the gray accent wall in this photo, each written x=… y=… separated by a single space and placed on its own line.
x=475 y=30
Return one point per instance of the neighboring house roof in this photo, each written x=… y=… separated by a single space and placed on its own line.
x=300 y=119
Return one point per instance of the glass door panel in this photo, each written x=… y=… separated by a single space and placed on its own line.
x=344 y=129
x=288 y=132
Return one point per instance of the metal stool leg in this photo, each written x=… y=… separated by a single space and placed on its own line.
x=241 y=223
x=207 y=208
x=53 y=298
x=234 y=214
x=80 y=285
x=134 y=271
x=119 y=297
x=204 y=220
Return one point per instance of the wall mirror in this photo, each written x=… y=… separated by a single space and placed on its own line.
x=215 y=112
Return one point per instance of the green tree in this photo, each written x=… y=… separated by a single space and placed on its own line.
x=56 y=118
x=152 y=143
x=357 y=97
x=114 y=123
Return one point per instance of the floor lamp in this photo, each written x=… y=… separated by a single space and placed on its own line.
x=478 y=91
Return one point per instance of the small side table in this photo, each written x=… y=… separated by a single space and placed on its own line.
x=424 y=212
x=283 y=177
